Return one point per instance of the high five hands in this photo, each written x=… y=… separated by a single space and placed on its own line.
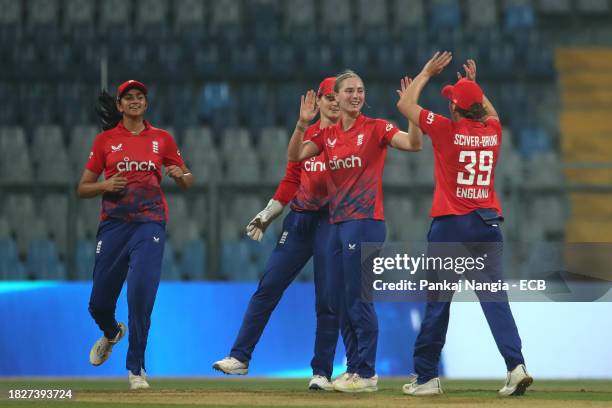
x=404 y=84
x=308 y=107
x=470 y=70
x=437 y=63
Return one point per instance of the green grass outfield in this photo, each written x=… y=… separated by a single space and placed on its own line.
x=254 y=392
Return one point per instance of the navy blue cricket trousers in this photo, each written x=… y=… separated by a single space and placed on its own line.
x=358 y=320
x=304 y=235
x=432 y=336
x=133 y=251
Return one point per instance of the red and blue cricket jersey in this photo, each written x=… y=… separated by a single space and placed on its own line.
x=355 y=160
x=465 y=156
x=305 y=183
x=140 y=159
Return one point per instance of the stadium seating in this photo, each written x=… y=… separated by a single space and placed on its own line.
x=43 y=262
x=84 y=258
x=10 y=266
x=226 y=75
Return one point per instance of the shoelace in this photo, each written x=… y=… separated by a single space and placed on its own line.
x=355 y=378
x=348 y=376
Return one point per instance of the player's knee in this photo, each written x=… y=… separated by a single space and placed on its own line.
x=100 y=311
x=269 y=289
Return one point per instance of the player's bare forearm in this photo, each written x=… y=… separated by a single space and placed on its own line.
x=491 y=112
x=297 y=149
x=411 y=141
x=296 y=143
x=415 y=137
x=182 y=176
x=184 y=182
x=91 y=189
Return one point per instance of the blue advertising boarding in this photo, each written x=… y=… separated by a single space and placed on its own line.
x=46 y=330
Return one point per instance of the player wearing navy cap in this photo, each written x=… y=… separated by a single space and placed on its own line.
x=131 y=235
x=305 y=231
x=465 y=210
x=354 y=151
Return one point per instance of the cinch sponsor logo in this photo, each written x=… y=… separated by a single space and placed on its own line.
x=348 y=163
x=127 y=165
x=314 y=165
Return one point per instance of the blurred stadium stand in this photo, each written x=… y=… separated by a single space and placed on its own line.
x=226 y=75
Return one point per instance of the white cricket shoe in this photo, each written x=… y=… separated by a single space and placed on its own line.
x=342 y=378
x=319 y=382
x=102 y=348
x=138 y=382
x=230 y=365
x=357 y=384
x=517 y=381
x=431 y=387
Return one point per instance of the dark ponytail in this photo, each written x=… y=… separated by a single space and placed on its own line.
x=106 y=109
x=476 y=112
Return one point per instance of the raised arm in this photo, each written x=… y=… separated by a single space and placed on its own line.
x=408 y=103
x=411 y=141
x=470 y=73
x=297 y=149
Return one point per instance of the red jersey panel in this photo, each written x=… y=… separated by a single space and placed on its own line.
x=465 y=156
x=140 y=159
x=356 y=160
x=289 y=184
x=305 y=183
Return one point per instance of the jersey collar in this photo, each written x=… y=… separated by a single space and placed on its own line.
x=360 y=119
x=147 y=126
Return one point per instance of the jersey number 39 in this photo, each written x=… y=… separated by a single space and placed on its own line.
x=484 y=160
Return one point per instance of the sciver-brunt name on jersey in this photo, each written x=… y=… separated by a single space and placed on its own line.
x=484 y=158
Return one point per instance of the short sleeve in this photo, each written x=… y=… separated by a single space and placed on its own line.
x=434 y=125
x=317 y=139
x=385 y=131
x=97 y=158
x=172 y=155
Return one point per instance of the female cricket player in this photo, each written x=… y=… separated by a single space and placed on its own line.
x=465 y=209
x=131 y=234
x=354 y=151
x=305 y=231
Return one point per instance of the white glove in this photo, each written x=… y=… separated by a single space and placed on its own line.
x=256 y=228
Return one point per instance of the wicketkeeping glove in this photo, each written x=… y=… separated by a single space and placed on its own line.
x=256 y=228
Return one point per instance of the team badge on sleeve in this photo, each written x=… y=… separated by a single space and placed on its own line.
x=430 y=118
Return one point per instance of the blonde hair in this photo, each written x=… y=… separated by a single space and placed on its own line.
x=345 y=75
